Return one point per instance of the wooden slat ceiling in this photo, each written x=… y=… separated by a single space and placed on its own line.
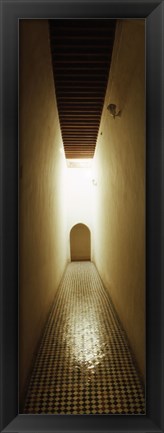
x=81 y=56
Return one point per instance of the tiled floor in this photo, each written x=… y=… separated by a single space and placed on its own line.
x=84 y=365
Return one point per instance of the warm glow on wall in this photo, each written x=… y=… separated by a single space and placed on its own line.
x=79 y=191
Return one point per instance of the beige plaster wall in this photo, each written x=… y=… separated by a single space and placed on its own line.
x=79 y=199
x=43 y=252
x=119 y=197
x=79 y=194
x=80 y=243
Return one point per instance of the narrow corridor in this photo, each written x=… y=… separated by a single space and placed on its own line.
x=84 y=364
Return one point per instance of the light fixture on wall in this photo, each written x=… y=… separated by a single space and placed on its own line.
x=112 y=110
x=94 y=182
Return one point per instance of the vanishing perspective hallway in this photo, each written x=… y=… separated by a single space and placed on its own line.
x=82 y=314
x=84 y=364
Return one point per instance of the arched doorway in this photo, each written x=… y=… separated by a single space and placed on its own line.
x=80 y=243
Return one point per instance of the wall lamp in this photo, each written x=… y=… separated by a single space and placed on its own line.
x=112 y=110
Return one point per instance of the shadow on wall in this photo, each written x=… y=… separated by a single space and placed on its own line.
x=80 y=242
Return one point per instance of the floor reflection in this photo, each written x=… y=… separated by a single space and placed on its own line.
x=84 y=365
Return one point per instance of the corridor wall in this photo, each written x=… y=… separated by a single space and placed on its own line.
x=43 y=231
x=119 y=197
x=79 y=200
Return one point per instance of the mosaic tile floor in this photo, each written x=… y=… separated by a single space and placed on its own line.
x=84 y=365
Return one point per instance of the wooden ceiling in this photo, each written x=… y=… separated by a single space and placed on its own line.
x=81 y=56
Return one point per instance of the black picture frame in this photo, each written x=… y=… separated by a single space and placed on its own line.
x=153 y=13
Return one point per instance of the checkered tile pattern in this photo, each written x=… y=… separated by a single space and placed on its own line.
x=84 y=365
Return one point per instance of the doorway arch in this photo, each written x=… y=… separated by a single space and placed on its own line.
x=80 y=242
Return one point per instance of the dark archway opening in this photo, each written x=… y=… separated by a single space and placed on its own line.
x=80 y=242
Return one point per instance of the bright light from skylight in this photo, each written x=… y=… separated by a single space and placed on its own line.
x=79 y=163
